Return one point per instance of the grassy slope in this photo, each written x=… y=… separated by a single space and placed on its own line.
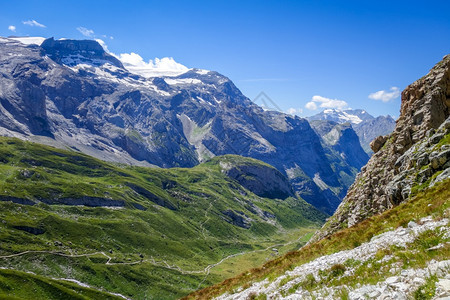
x=190 y=237
x=434 y=202
x=20 y=285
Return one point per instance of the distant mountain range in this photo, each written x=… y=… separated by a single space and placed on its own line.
x=74 y=94
x=366 y=126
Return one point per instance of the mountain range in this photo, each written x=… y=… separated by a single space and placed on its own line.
x=366 y=126
x=73 y=94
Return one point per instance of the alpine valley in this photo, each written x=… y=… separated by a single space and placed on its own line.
x=73 y=94
x=124 y=182
x=144 y=194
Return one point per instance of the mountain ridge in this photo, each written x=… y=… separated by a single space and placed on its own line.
x=103 y=110
x=366 y=126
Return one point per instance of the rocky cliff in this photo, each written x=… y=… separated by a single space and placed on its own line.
x=413 y=157
x=343 y=140
x=259 y=178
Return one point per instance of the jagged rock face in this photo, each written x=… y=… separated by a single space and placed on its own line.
x=342 y=139
x=70 y=93
x=415 y=153
x=341 y=144
x=262 y=180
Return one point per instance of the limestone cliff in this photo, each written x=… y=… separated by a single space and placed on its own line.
x=414 y=156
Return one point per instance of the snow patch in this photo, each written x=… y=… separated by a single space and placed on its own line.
x=343 y=116
x=29 y=40
x=182 y=81
x=350 y=118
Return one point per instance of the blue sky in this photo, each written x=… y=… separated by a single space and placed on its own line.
x=300 y=53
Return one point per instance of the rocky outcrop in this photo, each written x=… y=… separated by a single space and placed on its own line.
x=29 y=229
x=17 y=200
x=377 y=143
x=412 y=157
x=150 y=196
x=262 y=180
x=85 y=201
x=72 y=53
x=341 y=144
x=342 y=139
x=237 y=218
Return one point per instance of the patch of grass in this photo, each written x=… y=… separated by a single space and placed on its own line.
x=343 y=294
x=21 y=285
x=307 y=284
x=444 y=141
x=427 y=290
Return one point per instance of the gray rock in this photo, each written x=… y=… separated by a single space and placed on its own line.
x=392 y=280
x=377 y=143
x=436 y=138
x=441 y=177
x=374 y=294
x=412 y=224
x=423 y=160
x=444 y=286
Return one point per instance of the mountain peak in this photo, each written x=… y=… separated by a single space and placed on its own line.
x=75 y=52
x=353 y=116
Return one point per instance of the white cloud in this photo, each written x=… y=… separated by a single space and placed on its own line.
x=165 y=66
x=386 y=96
x=134 y=63
x=103 y=44
x=294 y=111
x=311 y=105
x=86 y=32
x=12 y=28
x=319 y=101
x=33 y=23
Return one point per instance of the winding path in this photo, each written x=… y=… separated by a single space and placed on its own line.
x=151 y=260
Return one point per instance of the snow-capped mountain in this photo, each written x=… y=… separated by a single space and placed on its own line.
x=366 y=126
x=353 y=116
x=71 y=93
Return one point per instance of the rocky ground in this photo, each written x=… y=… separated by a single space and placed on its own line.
x=330 y=277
